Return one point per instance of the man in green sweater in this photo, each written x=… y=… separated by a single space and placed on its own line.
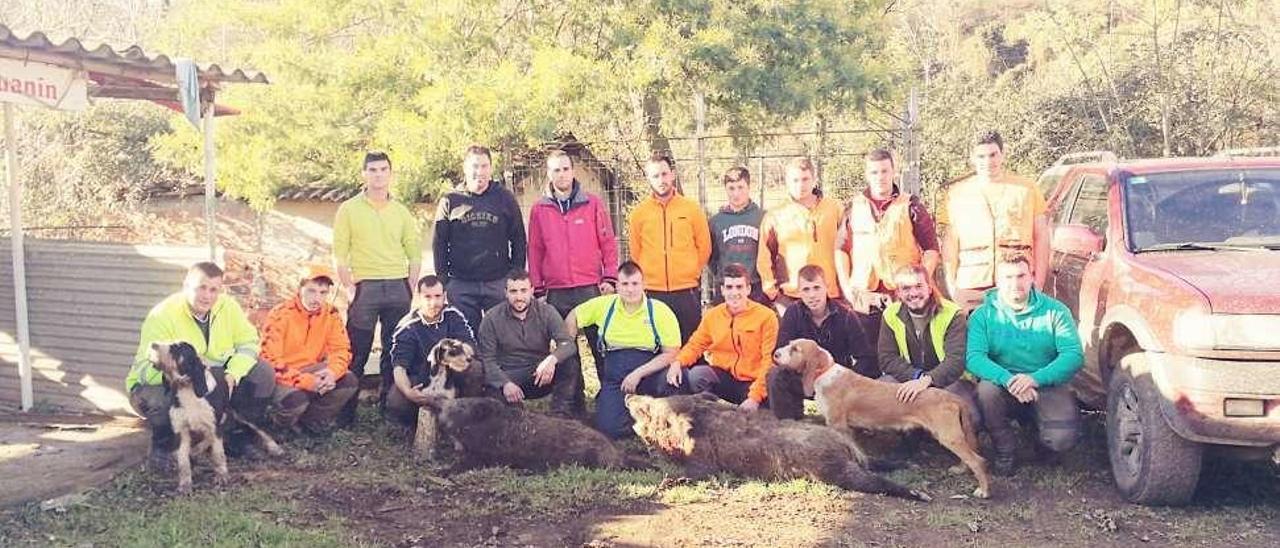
x=1024 y=349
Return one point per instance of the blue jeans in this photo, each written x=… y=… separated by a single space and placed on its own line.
x=612 y=416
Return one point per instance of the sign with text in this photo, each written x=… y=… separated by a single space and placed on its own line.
x=38 y=84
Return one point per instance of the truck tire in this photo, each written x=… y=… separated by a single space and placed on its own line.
x=1152 y=464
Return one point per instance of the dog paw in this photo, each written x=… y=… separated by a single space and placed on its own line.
x=221 y=479
x=184 y=488
x=981 y=493
x=958 y=469
x=274 y=449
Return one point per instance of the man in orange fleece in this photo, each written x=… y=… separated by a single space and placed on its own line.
x=737 y=338
x=671 y=241
x=798 y=233
x=306 y=343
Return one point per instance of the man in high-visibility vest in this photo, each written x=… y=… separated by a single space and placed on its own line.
x=798 y=233
x=883 y=231
x=922 y=341
x=989 y=213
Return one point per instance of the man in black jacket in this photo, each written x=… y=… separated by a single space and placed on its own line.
x=827 y=322
x=418 y=332
x=479 y=238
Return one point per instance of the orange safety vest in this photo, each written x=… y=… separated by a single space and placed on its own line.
x=880 y=249
x=987 y=218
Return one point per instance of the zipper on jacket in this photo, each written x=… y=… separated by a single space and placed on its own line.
x=666 y=248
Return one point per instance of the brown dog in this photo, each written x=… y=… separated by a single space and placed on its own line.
x=848 y=400
x=709 y=436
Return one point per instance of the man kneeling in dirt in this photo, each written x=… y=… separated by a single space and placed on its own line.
x=639 y=336
x=305 y=342
x=1024 y=348
x=415 y=336
x=212 y=322
x=514 y=340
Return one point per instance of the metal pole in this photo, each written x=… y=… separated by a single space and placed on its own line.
x=911 y=145
x=210 y=190
x=699 y=116
x=19 y=258
x=760 y=177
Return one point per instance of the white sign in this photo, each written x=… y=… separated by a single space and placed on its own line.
x=38 y=84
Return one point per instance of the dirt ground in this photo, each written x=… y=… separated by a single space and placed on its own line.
x=45 y=456
x=363 y=489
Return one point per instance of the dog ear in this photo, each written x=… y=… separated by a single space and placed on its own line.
x=191 y=366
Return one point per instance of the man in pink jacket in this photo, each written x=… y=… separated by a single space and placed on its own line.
x=573 y=254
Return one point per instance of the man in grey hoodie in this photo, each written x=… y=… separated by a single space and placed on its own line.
x=735 y=232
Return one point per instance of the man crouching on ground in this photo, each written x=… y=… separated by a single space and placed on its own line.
x=305 y=342
x=1024 y=348
x=639 y=336
x=429 y=323
x=513 y=347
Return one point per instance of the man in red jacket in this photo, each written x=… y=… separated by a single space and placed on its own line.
x=573 y=254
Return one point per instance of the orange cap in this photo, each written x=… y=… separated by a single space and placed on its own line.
x=316 y=271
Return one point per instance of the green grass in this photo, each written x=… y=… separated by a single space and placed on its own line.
x=126 y=515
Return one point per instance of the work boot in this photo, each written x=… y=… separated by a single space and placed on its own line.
x=1005 y=443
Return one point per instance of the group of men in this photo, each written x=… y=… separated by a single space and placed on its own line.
x=857 y=278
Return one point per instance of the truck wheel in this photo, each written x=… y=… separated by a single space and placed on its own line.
x=1152 y=464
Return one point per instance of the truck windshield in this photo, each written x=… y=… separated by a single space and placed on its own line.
x=1232 y=207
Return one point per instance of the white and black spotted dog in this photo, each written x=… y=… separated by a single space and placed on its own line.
x=200 y=410
x=453 y=371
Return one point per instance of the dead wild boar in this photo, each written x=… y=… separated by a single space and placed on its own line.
x=709 y=436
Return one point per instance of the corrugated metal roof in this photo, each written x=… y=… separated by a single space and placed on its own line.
x=132 y=57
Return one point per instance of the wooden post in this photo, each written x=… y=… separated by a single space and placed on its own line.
x=424 y=439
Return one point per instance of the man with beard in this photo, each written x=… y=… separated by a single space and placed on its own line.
x=1024 y=349
x=513 y=349
x=671 y=242
x=418 y=332
x=922 y=340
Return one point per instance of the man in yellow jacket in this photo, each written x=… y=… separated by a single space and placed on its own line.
x=732 y=350
x=671 y=241
x=213 y=322
x=987 y=214
x=798 y=233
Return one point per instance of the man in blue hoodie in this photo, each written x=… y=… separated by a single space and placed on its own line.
x=735 y=233
x=1024 y=348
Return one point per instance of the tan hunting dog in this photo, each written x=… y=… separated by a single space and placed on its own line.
x=848 y=400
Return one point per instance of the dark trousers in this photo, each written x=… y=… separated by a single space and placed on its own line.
x=473 y=298
x=1055 y=413
x=250 y=399
x=687 y=306
x=376 y=304
x=868 y=364
x=565 y=388
x=786 y=393
x=612 y=417
x=565 y=300
x=706 y=378
x=291 y=406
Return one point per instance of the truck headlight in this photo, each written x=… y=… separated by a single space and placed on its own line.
x=1196 y=329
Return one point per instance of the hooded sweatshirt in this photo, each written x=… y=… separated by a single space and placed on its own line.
x=571 y=241
x=1040 y=340
x=735 y=238
x=479 y=237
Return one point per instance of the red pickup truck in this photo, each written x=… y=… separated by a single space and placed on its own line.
x=1172 y=269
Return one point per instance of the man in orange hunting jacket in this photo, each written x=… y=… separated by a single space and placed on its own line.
x=306 y=342
x=736 y=340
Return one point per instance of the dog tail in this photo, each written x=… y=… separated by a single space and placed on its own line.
x=969 y=426
x=857 y=478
